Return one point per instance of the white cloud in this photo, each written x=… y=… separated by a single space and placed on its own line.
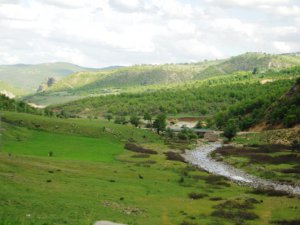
x=292 y=10
x=110 y=32
x=247 y=3
x=127 y=5
x=282 y=46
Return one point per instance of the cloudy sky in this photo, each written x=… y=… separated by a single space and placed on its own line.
x=98 y=33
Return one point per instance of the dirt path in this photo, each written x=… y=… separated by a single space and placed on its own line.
x=201 y=157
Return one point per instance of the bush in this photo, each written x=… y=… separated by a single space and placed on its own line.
x=174 y=156
x=135 y=148
x=236 y=210
x=120 y=120
x=188 y=223
x=194 y=195
x=140 y=156
x=216 y=199
x=230 y=130
x=269 y=192
x=187 y=134
x=287 y=222
x=183 y=136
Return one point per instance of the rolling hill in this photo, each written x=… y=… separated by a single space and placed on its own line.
x=10 y=90
x=286 y=110
x=248 y=61
x=29 y=77
x=141 y=78
x=267 y=111
x=207 y=97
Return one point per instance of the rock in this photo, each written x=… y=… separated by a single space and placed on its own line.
x=51 y=81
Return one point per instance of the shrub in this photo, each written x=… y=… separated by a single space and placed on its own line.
x=182 y=136
x=216 y=199
x=174 y=156
x=188 y=223
x=287 y=222
x=195 y=195
x=135 y=148
x=236 y=210
x=230 y=130
x=140 y=156
x=120 y=120
x=269 y=192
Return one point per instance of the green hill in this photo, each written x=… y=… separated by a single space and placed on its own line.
x=205 y=97
x=10 y=90
x=29 y=77
x=7 y=104
x=141 y=78
x=248 y=61
x=286 y=110
x=269 y=110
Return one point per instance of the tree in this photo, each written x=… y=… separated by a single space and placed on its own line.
x=108 y=116
x=160 y=123
x=230 y=130
x=170 y=133
x=147 y=117
x=255 y=70
x=120 y=120
x=135 y=120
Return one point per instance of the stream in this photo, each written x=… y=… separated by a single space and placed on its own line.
x=200 y=157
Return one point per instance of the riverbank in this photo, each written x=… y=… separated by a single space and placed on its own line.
x=201 y=158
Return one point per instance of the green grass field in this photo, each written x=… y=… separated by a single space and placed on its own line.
x=91 y=177
x=65 y=146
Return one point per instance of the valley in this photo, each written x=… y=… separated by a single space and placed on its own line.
x=131 y=145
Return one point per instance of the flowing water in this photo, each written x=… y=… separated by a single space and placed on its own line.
x=201 y=157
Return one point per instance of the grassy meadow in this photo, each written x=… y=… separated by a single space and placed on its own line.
x=91 y=177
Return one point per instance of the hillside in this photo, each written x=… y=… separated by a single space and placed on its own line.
x=205 y=97
x=141 y=78
x=248 y=61
x=286 y=111
x=29 y=77
x=267 y=111
x=8 y=104
x=10 y=90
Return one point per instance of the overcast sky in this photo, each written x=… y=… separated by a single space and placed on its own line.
x=98 y=33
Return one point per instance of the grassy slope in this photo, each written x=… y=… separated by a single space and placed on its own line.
x=206 y=97
x=44 y=190
x=268 y=111
x=7 y=87
x=249 y=61
x=143 y=77
x=263 y=167
x=29 y=77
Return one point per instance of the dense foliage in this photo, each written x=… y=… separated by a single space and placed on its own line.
x=140 y=78
x=286 y=109
x=7 y=104
x=271 y=108
x=203 y=100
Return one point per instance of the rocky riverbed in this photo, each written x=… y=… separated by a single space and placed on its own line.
x=201 y=157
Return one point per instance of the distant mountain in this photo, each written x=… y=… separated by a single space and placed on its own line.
x=248 y=61
x=10 y=90
x=123 y=79
x=29 y=77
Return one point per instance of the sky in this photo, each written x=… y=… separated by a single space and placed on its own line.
x=100 y=33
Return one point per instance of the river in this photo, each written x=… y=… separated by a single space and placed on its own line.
x=200 y=157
